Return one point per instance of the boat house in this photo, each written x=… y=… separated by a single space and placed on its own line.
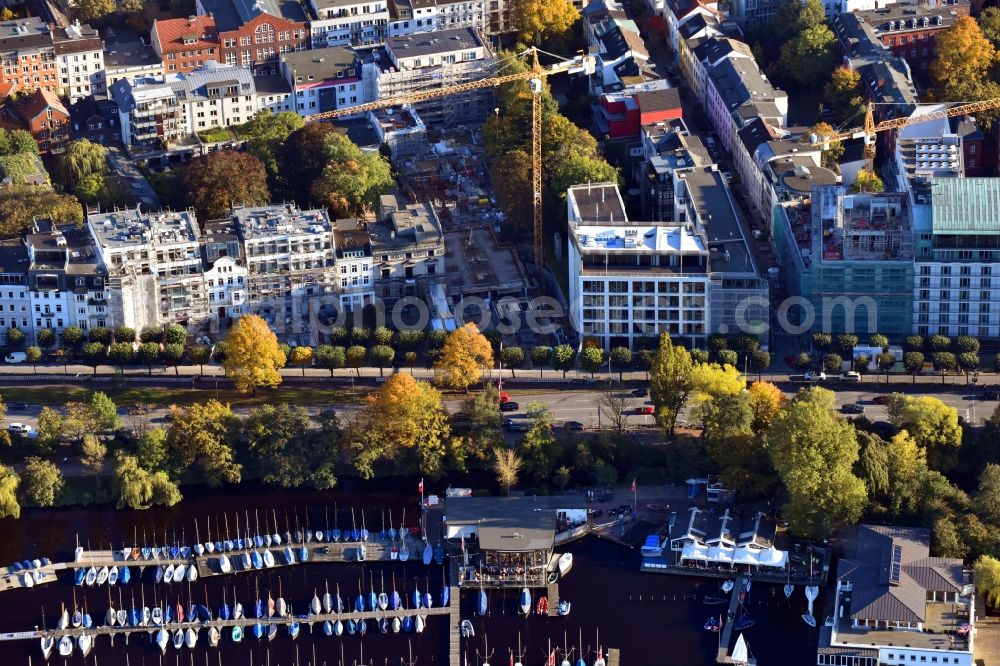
x=707 y=539
x=508 y=541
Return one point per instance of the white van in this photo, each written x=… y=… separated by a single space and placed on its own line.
x=851 y=377
x=15 y=357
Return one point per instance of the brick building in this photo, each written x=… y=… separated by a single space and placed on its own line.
x=44 y=115
x=909 y=31
x=254 y=34
x=185 y=44
x=27 y=57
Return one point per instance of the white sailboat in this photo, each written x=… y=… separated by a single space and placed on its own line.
x=65 y=646
x=741 y=653
x=812 y=591
x=565 y=563
x=162 y=640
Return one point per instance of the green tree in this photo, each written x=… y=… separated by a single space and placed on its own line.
x=741 y=455
x=352 y=179
x=355 y=357
x=809 y=57
x=844 y=95
x=72 y=337
x=822 y=342
x=886 y=361
x=124 y=334
x=512 y=358
x=728 y=357
x=121 y=353
x=33 y=354
x=669 y=382
x=173 y=354
x=944 y=362
x=846 y=342
x=511 y=175
x=591 y=359
x=621 y=358
x=832 y=363
x=563 y=358
x=104 y=411
x=148 y=353
x=46 y=338
x=382 y=356
x=153 y=452
x=536 y=20
x=15 y=338
x=200 y=355
x=541 y=356
x=814 y=452
x=968 y=362
x=101 y=334
x=913 y=361
x=133 y=484
x=987 y=501
x=82 y=166
x=265 y=134
x=483 y=421
x=42 y=482
x=93 y=10
x=934 y=425
x=382 y=335
x=21 y=204
x=164 y=491
x=10 y=507
x=253 y=357
x=175 y=334
x=330 y=358
x=283 y=449
x=913 y=343
x=199 y=442
x=507 y=465
x=151 y=334
x=216 y=182
x=988 y=579
x=50 y=429
x=92 y=454
x=94 y=354
x=538 y=448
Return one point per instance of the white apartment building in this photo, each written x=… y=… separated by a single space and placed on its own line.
x=226 y=276
x=15 y=304
x=80 y=60
x=956 y=291
x=154 y=266
x=408 y=17
x=149 y=113
x=290 y=260
x=632 y=280
x=735 y=83
x=407 y=245
x=413 y=63
x=273 y=93
x=216 y=95
x=323 y=79
x=353 y=248
x=347 y=22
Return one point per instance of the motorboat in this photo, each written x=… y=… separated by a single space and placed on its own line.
x=268 y=559
x=727 y=587
x=525 y=602
x=565 y=563
x=113 y=574
x=162 y=640
x=467 y=629
x=192 y=573
x=564 y=607
x=91 y=577
x=224 y=564
x=85 y=642
x=168 y=574
x=65 y=646
x=418 y=624
x=102 y=575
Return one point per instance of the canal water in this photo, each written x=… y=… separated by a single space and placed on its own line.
x=652 y=619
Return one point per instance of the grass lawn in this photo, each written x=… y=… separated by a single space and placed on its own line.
x=59 y=395
x=215 y=135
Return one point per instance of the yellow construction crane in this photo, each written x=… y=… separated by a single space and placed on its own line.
x=871 y=128
x=533 y=75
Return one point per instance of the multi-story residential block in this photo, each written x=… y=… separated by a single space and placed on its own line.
x=95 y=120
x=352 y=243
x=851 y=256
x=401 y=130
x=956 y=290
x=423 y=62
x=895 y=605
x=15 y=303
x=273 y=93
x=290 y=261
x=407 y=247
x=154 y=266
x=678 y=12
x=226 y=275
x=734 y=85
x=667 y=148
x=616 y=45
x=407 y=17
x=323 y=79
x=44 y=115
x=700 y=56
x=129 y=58
x=216 y=95
x=149 y=113
x=67 y=286
x=752 y=13
x=185 y=44
x=624 y=112
x=80 y=61
x=633 y=280
x=910 y=30
x=738 y=294
x=27 y=57
x=347 y=22
x=927 y=149
x=255 y=34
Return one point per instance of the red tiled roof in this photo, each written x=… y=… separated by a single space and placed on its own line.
x=40 y=100
x=171 y=33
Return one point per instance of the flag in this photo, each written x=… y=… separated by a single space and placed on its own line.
x=633 y=484
x=552 y=658
x=420 y=487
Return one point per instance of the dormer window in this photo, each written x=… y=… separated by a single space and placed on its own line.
x=189 y=39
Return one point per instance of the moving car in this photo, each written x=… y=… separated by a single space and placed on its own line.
x=851 y=377
x=852 y=408
x=509 y=406
x=15 y=357
x=639 y=393
x=644 y=409
x=573 y=425
x=516 y=426
x=880 y=399
x=20 y=428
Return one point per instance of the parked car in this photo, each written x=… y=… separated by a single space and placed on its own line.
x=852 y=408
x=604 y=495
x=595 y=513
x=991 y=394
x=573 y=425
x=20 y=428
x=516 y=426
x=621 y=510
x=851 y=377
x=640 y=393
x=644 y=409
x=15 y=357
x=509 y=406
x=880 y=399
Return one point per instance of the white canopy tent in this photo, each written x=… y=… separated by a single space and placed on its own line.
x=694 y=551
x=721 y=554
x=772 y=557
x=744 y=555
